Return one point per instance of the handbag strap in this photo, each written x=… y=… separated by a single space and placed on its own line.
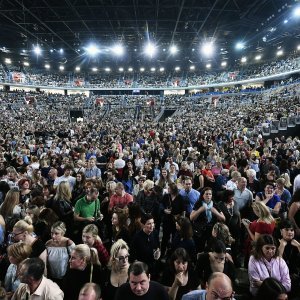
x=91 y=274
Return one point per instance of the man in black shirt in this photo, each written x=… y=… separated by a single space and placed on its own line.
x=140 y=287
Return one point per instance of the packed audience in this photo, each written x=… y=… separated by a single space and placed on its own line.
x=120 y=207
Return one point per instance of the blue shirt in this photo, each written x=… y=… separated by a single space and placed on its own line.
x=195 y=295
x=192 y=197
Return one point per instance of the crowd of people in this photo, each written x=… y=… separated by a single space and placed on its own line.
x=138 y=79
x=134 y=209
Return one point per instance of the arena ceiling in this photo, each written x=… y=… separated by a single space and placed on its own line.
x=72 y=24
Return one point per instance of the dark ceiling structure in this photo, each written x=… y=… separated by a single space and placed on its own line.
x=72 y=24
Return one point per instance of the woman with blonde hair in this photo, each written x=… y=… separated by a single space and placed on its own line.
x=58 y=250
x=11 y=206
x=16 y=254
x=91 y=238
x=61 y=204
x=117 y=274
x=23 y=231
x=84 y=266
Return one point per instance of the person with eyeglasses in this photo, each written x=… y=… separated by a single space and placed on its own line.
x=117 y=272
x=219 y=287
x=217 y=260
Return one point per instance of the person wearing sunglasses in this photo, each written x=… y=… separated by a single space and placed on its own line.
x=219 y=287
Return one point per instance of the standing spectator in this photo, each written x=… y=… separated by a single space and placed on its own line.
x=243 y=197
x=120 y=198
x=190 y=195
x=92 y=171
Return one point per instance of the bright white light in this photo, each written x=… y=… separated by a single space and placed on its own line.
x=142 y=69
x=61 y=68
x=244 y=59
x=298 y=47
x=297 y=11
x=192 y=67
x=161 y=69
x=150 y=49
x=208 y=66
x=7 y=61
x=152 y=69
x=94 y=69
x=207 y=49
x=224 y=63
x=121 y=69
x=258 y=57
x=118 y=50
x=23 y=50
x=130 y=69
x=61 y=50
x=177 y=68
x=193 y=49
x=279 y=52
x=285 y=21
x=26 y=63
x=47 y=66
x=77 y=69
x=92 y=50
x=51 y=50
x=37 y=50
x=240 y=46
x=173 y=49
x=107 y=69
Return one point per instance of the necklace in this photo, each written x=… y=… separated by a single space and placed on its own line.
x=230 y=210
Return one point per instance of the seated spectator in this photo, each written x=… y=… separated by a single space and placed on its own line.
x=84 y=267
x=179 y=277
x=58 y=252
x=271 y=288
x=214 y=261
x=34 y=284
x=90 y=291
x=120 y=198
x=117 y=272
x=91 y=238
x=265 y=262
x=16 y=254
x=219 y=286
x=140 y=286
x=269 y=198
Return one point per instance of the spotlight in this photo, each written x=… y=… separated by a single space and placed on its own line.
x=61 y=68
x=285 y=21
x=243 y=59
x=118 y=50
x=240 y=46
x=279 y=52
x=37 y=50
x=192 y=68
x=92 y=50
x=152 y=69
x=77 y=69
x=177 y=68
x=173 y=49
x=47 y=66
x=107 y=69
x=94 y=69
x=224 y=63
x=121 y=69
x=298 y=47
x=208 y=66
x=7 y=61
x=161 y=69
x=142 y=69
x=26 y=63
x=61 y=50
x=297 y=11
x=207 y=49
x=130 y=69
x=258 y=57
x=150 y=49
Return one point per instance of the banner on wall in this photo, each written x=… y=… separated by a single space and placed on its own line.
x=17 y=77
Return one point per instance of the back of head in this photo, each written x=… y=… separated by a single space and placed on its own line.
x=271 y=288
x=33 y=267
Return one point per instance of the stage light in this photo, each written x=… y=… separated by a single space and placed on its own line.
x=26 y=63
x=92 y=50
x=223 y=63
x=207 y=49
x=130 y=69
x=94 y=69
x=51 y=50
x=208 y=66
x=244 y=59
x=107 y=69
x=61 y=50
x=47 y=66
x=285 y=21
x=121 y=69
x=279 y=52
x=118 y=50
x=173 y=49
x=298 y=47
x=61 y=68
x=258 y=57
x=192 y=68
x=23 y=51
x=152 y=69
x=240 y=46
x=7 y=61
x=161 y=69
x=297 y=11
x=77 y=69
x=142 y=69
x=177 y=68
x=150 y=49
x=37 y=50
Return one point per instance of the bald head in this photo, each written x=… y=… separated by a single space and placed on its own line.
x=219 y=286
